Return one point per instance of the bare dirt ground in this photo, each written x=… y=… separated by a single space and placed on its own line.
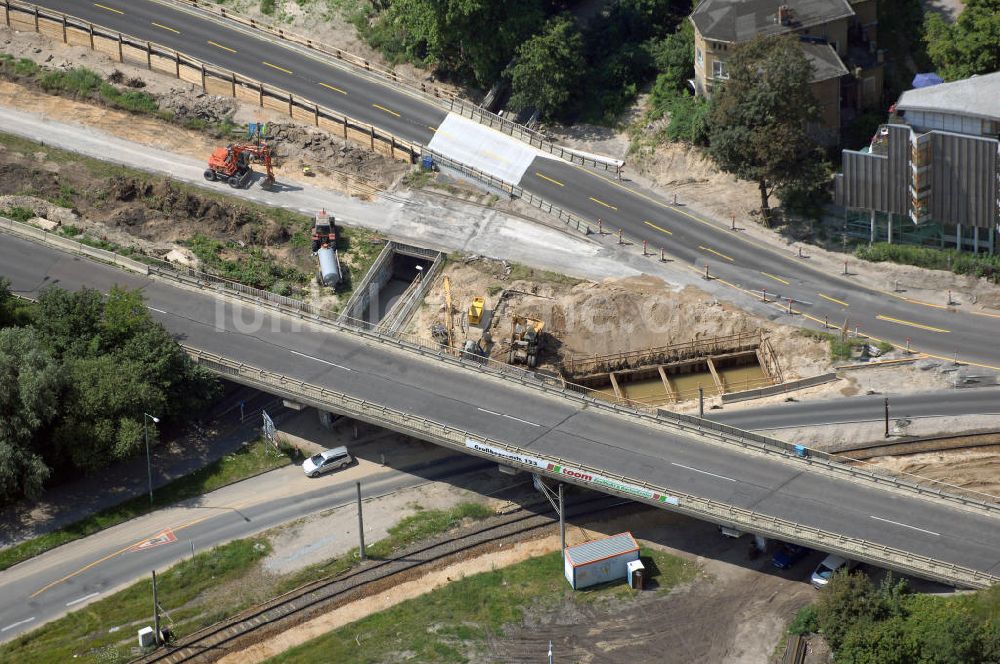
x=735 y=611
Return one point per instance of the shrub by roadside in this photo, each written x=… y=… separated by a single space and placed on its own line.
x=959 y=262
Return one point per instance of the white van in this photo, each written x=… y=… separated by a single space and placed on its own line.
x=324 y=462
x=830 y=565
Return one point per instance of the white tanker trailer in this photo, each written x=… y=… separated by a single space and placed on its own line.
x=324 y=247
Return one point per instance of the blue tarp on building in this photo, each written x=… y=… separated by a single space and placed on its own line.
x=926 y=80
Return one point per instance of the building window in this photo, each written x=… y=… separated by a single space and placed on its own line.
x=719 y=69
x=697 y=55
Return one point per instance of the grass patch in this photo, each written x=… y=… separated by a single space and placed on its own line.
x=250 y=460
x=519 y=271
x=86 y=632
x=422 y=525
x=840 y=349
x=959 y=262
x=19 y=214
x=252 y=266
x=418 y=178
x=441 y=625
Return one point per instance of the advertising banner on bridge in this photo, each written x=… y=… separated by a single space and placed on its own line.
x=599 y=481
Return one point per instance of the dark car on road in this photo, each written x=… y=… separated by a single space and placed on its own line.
x=787 y=555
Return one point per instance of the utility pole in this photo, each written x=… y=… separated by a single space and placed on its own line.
x=887 y=417
x=149 y=463
x=701 y=402
x=562 y=529
x=361 y=527
x=156 y=613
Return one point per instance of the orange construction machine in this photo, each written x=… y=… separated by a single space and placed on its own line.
x=232 y=164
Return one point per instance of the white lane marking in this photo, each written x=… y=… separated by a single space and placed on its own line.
x=160 y=311
x=518 y=419
x=509 y=417
x=18 y=623
x=316 y=359
x=897 y=523
x=705 y=472
x=83 y=599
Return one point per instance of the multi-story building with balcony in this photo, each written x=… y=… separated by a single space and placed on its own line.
x=839 y=38
x=932 y=174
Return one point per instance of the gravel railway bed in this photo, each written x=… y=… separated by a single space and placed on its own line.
x=286 y=611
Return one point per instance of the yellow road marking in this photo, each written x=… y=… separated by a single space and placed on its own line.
x=383 y=108
x=983 y=313
x=912 y=324
x=117 y=11
x=715 y=252
x=224 y=48
x=334 y=88
x=833 y=299
x=545 y=177
x=177 y=32
x=276 y=67
x=912 y=301
x=652 y=225
x=600 y=202
x=767 y=274
x=126 y=548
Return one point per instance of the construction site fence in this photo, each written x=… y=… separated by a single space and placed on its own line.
x=440 y=97
x=589 y=477
x=781 y=388
x=741 y=341
x=213 y=80
x=571 y=220
x=695 y=426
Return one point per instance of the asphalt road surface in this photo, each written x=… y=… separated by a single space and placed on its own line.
x=848 y=410
x=65 y=579
x=504 y=411
x=736 y=260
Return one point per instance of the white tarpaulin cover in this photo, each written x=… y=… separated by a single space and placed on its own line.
x=472 y=144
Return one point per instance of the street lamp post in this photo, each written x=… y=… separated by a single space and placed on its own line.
x=149 y=463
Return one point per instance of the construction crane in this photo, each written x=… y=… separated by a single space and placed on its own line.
x=232 y=164
x=448 y=317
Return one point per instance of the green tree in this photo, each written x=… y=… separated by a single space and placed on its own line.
x=969 y=46
x=548 y=68
x=30 y=384
x=876 y=642
x=759 y=118
x=846 y=600
x=472 y=38
x=674 y=58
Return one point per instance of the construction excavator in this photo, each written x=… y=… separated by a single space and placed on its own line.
x=525 y=340
x=232 y=164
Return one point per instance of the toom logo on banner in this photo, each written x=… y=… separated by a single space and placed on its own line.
x=570 y=472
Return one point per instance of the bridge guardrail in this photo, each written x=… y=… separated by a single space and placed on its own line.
x=214 y=80
x=571 y=220
x=701 y=428
x=46 y=237
x=442 y=98
x=569 y=471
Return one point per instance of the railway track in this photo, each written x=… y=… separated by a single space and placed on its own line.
x=285 y=611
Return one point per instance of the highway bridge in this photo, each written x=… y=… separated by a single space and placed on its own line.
x=932 y=324
x=684 y=464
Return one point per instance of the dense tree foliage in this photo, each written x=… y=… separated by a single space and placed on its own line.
x=548 y=67
x=969 y=46
x=759 y=119
x=603 y=60
x=887 y=625
x=76 y=380
x=473 y=39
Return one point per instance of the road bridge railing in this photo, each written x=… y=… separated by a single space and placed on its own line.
x=701 y=429
x=213 y=80
x=565 y=470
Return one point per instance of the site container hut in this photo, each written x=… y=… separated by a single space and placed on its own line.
x=600 y=561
